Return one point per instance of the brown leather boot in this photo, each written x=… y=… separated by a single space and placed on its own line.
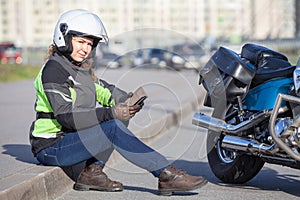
x=174 y=180
x=93 y=178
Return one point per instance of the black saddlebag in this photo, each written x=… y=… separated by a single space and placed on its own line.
x=226 y=75
x=269 y=64
x=256 y=53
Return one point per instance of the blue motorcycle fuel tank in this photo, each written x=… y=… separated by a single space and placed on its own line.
x=263 y=96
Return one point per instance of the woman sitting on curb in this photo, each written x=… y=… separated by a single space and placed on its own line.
x=70 y=128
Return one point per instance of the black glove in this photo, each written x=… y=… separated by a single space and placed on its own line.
x=134 y=109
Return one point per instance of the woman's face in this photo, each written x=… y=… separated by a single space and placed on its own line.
x=82 y=46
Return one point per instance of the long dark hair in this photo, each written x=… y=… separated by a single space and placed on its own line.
x=51 y=50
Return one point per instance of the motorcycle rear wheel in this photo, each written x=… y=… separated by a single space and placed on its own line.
x=230 y=166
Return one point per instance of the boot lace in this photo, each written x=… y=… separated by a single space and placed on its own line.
x=176 y=171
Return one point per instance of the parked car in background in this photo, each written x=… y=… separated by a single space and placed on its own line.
x=156 y=58
x=190 y=53
x=105 y=58
x=9 y=53
x=148 y=57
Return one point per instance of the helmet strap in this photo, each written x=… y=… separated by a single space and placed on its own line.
x=68 y=48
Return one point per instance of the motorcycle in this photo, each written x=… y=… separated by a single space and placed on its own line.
x=255 y=101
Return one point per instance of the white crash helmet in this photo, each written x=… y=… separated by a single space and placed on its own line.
x=78 y=22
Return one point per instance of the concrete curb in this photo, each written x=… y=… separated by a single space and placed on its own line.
x=42 y=182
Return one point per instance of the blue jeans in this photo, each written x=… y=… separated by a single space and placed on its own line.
x=95 y=145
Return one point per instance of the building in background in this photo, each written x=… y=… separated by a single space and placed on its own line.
x=30 y=23
x=297 y=18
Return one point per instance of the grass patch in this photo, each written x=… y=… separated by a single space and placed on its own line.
x=14 y=72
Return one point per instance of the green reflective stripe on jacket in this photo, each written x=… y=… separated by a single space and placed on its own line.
x=46 y=128
x=103 y=96
x=73 y=95
x=42 y=103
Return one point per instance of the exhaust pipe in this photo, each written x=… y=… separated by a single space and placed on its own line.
x=219 y=125
x=243 y=144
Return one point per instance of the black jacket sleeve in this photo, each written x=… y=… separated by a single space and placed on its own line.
x=118 y=94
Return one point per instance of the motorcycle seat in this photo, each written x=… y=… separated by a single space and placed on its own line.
x=271 y=68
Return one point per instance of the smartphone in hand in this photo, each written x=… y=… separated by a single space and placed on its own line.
x=140 y=101
x=137 y=98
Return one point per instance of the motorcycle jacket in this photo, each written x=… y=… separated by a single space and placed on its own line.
x=66 y=101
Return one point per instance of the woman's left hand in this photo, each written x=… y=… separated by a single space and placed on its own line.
x=134 y=109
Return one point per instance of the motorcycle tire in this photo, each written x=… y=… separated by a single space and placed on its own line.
x=236 y=169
